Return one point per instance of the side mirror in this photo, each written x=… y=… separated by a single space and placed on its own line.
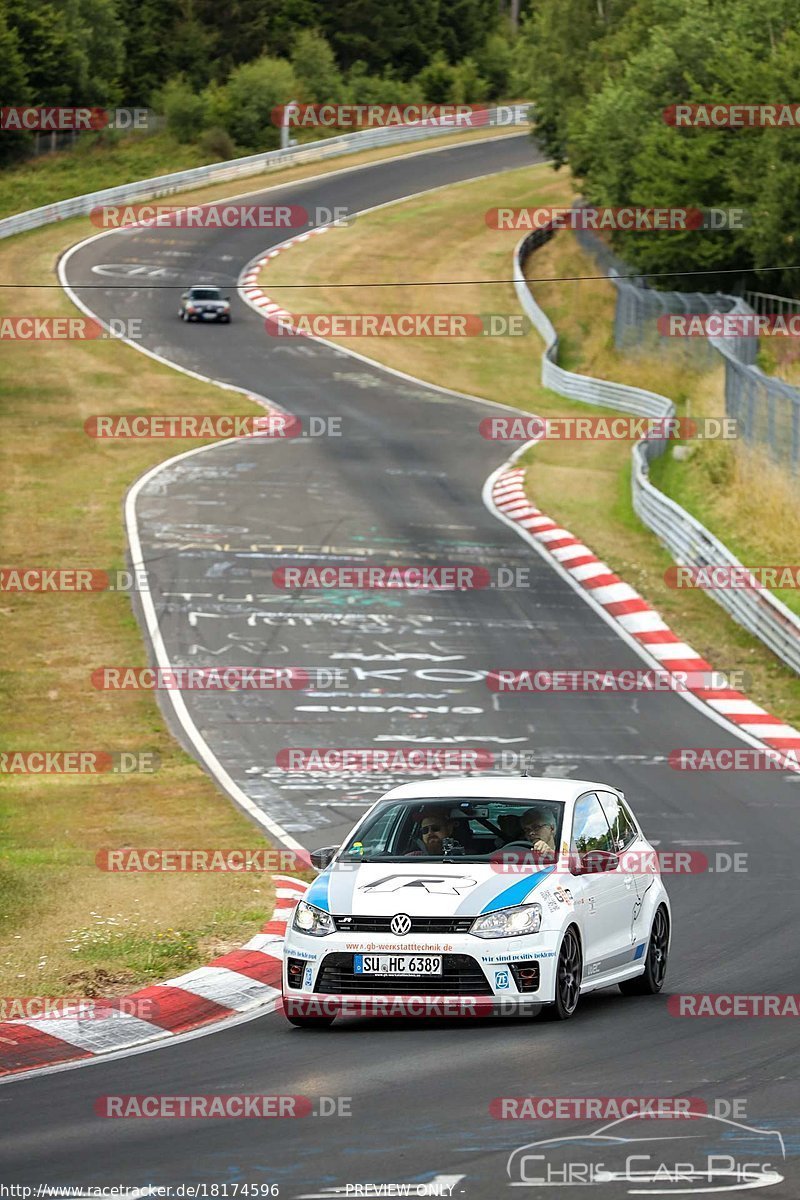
x=184 y=295
x=320 y=859
x=594 y=862
x=227 y=297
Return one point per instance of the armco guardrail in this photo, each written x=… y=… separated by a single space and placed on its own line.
x=690 y=543
x=238 y=168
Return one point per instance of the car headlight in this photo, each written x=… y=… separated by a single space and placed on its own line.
x=311 y=920
x=509 y=922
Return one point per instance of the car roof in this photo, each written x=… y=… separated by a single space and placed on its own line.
x=211 y=287
x=503 y=787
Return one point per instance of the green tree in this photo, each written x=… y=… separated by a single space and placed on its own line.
x=388 y=35
x=494 y=61
x=468 y=86
x=149 y=40
x=104 y=36
x=437 y=80
x=464 y=25
x=184 y=109
x=14 y=88
x=48 y=37
x=245 y=105
x=315 y=67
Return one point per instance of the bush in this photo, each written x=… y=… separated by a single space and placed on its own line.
x=184 y=109
x=468 y=86
x=436 y=81
x=363 y=88
x=494 y=61
x=244 y=106
x=218 y=142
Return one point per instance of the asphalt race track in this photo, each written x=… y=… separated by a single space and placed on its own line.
x=402 y=484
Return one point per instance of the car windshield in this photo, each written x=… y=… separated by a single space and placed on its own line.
x=440 y=830
x=205 y=294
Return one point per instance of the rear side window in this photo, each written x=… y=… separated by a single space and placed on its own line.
x=590 y=829
x=623 y=830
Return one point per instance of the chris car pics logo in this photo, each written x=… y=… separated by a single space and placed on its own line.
x=640 y=1157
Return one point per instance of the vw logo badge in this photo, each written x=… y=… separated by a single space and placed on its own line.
x=401 y=924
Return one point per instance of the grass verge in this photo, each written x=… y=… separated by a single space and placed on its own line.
x=584 y=485
x=67 y=927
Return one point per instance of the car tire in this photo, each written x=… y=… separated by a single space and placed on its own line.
x=310 y=1022
x=226 y=320
x=569 y=971
x=651 y=981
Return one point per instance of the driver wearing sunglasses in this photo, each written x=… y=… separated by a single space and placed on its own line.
x=437 y=831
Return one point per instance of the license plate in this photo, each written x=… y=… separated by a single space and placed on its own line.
x=397 y=964
x=209 y=315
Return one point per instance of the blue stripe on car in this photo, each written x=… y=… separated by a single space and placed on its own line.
x=317 y=894
x=639 y=951
x=518 y=891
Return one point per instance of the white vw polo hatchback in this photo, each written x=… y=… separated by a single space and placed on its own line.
x=476 y=895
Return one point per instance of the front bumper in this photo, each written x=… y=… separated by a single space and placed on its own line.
x=480 y=976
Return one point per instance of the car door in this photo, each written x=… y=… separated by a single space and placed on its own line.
x=634 y=853
x=608 y=895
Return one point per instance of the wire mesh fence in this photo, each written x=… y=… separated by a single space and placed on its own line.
x=767 y=409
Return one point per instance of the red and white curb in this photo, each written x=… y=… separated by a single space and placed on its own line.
x=249 y=280
x=635 y=616
x=238 y=982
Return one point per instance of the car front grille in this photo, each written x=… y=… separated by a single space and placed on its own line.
x=438 y=925
x=461 y=976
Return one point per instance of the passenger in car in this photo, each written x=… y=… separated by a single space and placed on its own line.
x=539 y=827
